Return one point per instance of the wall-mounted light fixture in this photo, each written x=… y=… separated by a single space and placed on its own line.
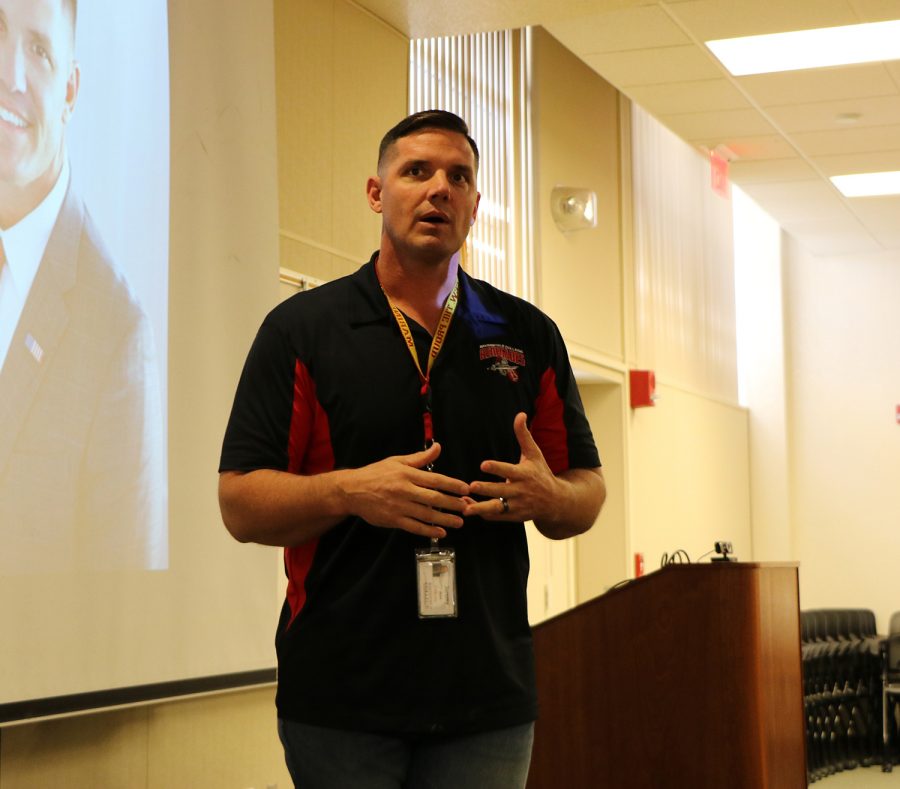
x=572 y=208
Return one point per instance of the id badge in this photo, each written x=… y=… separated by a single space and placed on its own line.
x=436 y=575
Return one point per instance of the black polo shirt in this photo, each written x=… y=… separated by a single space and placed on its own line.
x=329 y=383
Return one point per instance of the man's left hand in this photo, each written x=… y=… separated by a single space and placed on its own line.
x=530 y=491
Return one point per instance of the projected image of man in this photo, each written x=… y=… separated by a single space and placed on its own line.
x=82 y=472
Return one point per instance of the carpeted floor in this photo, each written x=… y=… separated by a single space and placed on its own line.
x=861 y=778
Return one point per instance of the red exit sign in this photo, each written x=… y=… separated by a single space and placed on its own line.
x=718 y=167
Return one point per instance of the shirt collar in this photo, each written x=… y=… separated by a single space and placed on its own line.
x=25 y=242
x=373 y=306
x=474 y=298
x=477 y=296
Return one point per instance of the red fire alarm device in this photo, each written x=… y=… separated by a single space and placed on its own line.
x=643 y=388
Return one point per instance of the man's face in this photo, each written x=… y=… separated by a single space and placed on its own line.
x=38 y=87
x=426 y=194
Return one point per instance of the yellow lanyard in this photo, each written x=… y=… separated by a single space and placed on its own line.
x=437 y=342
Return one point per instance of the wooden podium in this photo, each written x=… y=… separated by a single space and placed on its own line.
x=687 y=678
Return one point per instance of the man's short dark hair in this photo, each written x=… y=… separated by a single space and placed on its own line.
x=427 y=119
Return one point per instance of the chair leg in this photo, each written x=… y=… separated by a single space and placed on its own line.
x=887 y=764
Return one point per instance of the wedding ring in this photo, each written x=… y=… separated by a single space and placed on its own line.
x=505 y=504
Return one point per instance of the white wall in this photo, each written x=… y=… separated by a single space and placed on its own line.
x=843 y=346
x=761 y=375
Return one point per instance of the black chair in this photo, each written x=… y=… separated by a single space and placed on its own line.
x=842 y=689
x=890 y=690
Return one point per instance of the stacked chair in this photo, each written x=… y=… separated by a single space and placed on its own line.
x=890 y=699
x=843 y=687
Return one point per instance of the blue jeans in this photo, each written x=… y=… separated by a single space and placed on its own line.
x=320 y=758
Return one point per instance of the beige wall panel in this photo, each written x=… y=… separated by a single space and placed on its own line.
x=370 y=78
x=341 y=83
x=314 y=262
x=220 y=741
x=85 y=752
x=683 y=265
x=602 y=553
x=690 y=476
x=228 y=740
x=304 y=85
x=844 y=438
x=576 y=133
x=286 y=290
x=551 y=589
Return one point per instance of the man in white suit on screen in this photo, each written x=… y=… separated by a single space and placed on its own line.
x=82 y=467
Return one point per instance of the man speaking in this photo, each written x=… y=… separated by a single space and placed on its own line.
x=82 y=467
x=379 y=434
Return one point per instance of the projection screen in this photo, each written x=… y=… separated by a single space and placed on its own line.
x=138 y=199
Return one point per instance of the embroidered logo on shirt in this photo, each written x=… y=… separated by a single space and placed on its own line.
x=506 y=360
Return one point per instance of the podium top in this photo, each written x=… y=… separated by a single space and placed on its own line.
x=696 y=569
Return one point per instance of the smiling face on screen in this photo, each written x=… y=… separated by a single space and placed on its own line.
x=38 y=88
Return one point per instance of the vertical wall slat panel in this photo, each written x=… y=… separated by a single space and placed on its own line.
x=478 y=77
x=684 y=291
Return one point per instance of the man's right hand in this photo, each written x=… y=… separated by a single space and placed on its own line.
x=278 y=508
x=399 y=493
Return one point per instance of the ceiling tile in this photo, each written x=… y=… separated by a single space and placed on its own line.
x=712 y=19
x=876 y=10
x=889 y=237
x=652 y=66
x=767 y=146
x=419 y=18
x=827 y=84
x=699 y=96
x=426 y=18
x=723 y=124
x=877 y=212
x=643 y=27
x=893 y=68
x=768 y=170
x=827 y=237
x=839 y=141
x=846 y=163
x=800 y=201
x=832 y=115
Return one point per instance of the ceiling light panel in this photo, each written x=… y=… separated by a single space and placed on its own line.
x=868 y=184
x=806 y=49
